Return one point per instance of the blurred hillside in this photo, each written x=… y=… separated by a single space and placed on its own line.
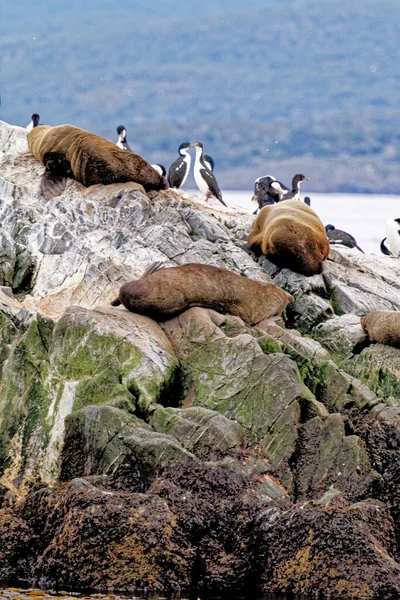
x=280 y=87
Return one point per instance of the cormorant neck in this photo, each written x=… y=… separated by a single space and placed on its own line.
x=199 y=153
x=296 y=184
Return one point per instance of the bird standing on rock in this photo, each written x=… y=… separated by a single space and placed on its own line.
x=34 y=123
x=392 y=237
x=179 y=170
x=204 y=177
x=122 y=142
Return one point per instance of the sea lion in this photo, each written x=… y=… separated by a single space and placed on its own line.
x=382 y=327
x=67 y=151
x=164 y=293
x=291 y=235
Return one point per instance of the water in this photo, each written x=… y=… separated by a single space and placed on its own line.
x=37 y=594
x=362 y=215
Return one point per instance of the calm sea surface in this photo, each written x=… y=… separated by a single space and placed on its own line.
x=364 y=216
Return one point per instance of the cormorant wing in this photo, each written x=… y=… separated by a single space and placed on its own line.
x=279 y=187
x=210 y=180
x=177 y=172
x=384 y=248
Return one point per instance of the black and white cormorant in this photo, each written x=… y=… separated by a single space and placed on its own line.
x=34 y=122
x=179 y=170
x=263 y=192
x=284 y=193
x=392 y=238
x=122 y=142
x=268 y=190
x=338 y=237
x=160 y=169
x=204 y=177
x=209 y=161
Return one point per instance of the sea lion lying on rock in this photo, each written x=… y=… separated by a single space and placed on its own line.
x=382 y=327
x=67 y=151
x=291 y=235
x=163 y=293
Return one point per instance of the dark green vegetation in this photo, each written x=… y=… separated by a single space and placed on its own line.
x=279 y=87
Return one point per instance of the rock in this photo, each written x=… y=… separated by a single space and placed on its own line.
x=225 y=369
x=107 y=441
x=204 y=432
x=104 y=356
x=12 y=139
x=161 y=540
x=314 y=547
x=341 y=336
x=379 y=367
x=200 y=455
x=16 y=543
x=326 y=457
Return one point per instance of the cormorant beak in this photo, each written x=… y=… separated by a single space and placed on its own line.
x=307 y=179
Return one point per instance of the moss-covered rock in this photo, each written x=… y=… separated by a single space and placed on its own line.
x=107 y=441
x=341 y=336
x=325 y=456
x=206 y=433
x=379 y=367
x=230 y=373
x=105 y=357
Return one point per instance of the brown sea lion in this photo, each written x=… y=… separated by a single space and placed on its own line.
x=67 y=151
x=291 y=236
x=383 y=327
x=163 y=293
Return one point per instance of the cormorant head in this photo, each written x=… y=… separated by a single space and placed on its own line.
x=198 y=145
x=184 y=146
x=329 y=227
x=209 y=159
x=121 y=131
x=160 y=169
x=35 y=119
x=300 y=177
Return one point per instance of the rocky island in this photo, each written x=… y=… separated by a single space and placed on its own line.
x=197 y=453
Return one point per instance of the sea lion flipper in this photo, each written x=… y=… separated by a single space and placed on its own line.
x=52 y=185
x=156 y=266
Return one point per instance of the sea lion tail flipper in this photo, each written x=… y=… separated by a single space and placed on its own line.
x=116 y=302
x=52 y=185
x=156 y=266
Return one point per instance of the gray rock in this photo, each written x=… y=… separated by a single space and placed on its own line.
x=341 y=336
